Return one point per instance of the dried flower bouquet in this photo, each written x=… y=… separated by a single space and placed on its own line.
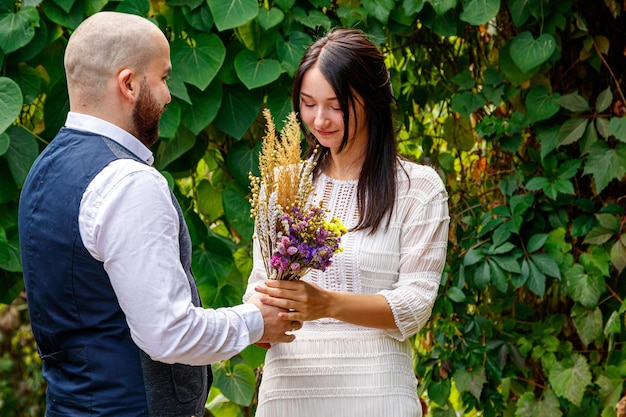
x=292 y=230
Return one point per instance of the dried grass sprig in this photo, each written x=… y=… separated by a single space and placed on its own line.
x=292 y=232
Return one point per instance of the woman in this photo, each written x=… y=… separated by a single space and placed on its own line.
x=352 y=357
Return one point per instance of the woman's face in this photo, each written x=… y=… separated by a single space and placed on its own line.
x=320 y=111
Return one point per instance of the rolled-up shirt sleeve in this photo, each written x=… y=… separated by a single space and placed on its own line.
x=128 y=221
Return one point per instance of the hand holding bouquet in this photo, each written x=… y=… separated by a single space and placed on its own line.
x=292 y=231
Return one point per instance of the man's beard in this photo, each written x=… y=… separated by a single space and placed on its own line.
x=146 y=115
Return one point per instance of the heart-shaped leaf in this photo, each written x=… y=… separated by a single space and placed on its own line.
x=290 y=52
x=10 y=102
x=198 y=64
x=540 y=104
x=269 y=18
x=528 y=53
x=18 y=29
x=255 y=72
x=478 y=12
x=442 y=6
x=239 y=109
x=229 y=14
x=22 y=152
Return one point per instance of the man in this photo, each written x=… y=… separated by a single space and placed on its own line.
x=106 y=253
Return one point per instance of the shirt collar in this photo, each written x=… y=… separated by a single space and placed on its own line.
x=87 y=123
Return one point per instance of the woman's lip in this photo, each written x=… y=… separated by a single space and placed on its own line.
x=324 y=132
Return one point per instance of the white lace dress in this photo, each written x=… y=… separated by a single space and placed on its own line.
x=339 y=369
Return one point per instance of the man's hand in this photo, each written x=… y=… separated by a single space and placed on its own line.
x=276 y=330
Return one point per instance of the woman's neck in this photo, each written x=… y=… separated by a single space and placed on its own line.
x=345 y=165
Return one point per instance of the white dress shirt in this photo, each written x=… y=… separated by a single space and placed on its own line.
x=127 y=221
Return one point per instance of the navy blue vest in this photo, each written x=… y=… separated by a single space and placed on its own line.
x=91 y=364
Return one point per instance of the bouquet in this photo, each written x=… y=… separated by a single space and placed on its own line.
x=292 y=232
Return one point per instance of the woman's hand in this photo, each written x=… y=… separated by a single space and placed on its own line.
x=307 y=301
x=304 y=300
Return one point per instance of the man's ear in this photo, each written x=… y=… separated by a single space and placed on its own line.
x=127 y=84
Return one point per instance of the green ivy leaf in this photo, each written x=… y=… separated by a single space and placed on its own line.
x=239 y=109
x=519 y=203
x=540 y=104
x=203 y=108
x=617 y=128
x=605 y=164
x=535 y=280
x=18 y=29
x=256 y=72
x=467 y=102
x=458 y=133
x=604 y=100
x=379 y=9
x=439 y=391
x=269 y=18
x=211 y=262
x=456 y=294
x=584 y=288
x=442 y=6
x=198 y=65
x=609 y=221
x=610 y=383
x=4 y=143
x=254 y=356
x=290 y=51
x=221 y=406
x=243 y=160
x=209 y=200
x=589 y=138
x=168 y=124
x=70 y=19
x=478 y=12
x=520 y=11
x=536 y=183
x=536 y=242
x=229 y=14
x=574 y=102
x=482 y=276
x=138 y=7
x=598 y=236
x=473 y=257
x=237 y=210
x=570 y=378
x=168 y=151
x=597 y=261
x=236 y=382
x=572 y=130
x=546 y=406
x=602 y=125
x=199 y=18
x=313 y=19
x=10 y=102
x=22 y=152
x=588 y=323
x=613 y=324
x=546 y=265
x=497 y=275
x=569 y=168
x=618 y=254
x=471 y=381
x=529 y=53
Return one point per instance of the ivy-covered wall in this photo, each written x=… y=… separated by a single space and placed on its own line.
x=519 y=104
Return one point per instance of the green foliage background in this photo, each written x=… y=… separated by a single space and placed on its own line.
x=518 y=104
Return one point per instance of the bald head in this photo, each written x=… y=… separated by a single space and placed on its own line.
x=104 y=44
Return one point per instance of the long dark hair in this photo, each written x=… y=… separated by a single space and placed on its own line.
x=352 y=64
